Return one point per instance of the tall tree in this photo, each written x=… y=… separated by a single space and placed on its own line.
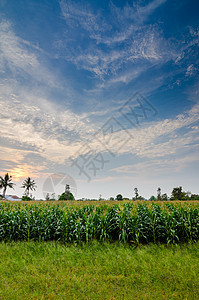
x=67 y=188
x=29 y=185
x=67 y=192
x=177 y=193
x=159 y=194
x=136 y=193
x=67 y=195
x=6 y=182
x=164 y=197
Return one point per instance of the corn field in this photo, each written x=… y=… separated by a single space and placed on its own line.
x=129 y=222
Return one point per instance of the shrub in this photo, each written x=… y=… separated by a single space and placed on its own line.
x=119 y=197
x=66 y=196
x=26 y=198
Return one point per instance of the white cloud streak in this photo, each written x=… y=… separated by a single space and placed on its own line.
x=149 y=142
x=30 y=121
x=16 y=57
x=117 y=46
x=140 y=43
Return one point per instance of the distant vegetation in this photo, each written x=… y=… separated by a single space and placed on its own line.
x=6 y=182
x=67 y=195
x=30 y=185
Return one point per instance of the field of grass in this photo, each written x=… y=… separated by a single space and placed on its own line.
x=51 y=270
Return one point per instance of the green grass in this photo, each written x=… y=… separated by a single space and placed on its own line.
x=51 y=270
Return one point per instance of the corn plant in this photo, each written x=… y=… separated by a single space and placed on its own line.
x=134 y=223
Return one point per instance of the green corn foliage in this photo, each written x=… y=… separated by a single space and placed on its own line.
x=128 y=223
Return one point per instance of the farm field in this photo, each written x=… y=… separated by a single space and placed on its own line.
x=98 y=203
x=98 y=270
x=99 y=250
x=132 y=222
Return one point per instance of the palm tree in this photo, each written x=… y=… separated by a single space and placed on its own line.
x=29 y=184
x=5 y=182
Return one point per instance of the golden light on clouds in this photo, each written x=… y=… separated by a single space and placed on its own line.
x=24 y=171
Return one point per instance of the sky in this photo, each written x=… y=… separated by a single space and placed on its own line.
x=102 y=95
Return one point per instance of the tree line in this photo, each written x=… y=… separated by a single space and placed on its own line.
x=176 y=194
x=30 y=185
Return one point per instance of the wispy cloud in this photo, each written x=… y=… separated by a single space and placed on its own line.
x=119 y=44
x=159 y=139
x=138 y=41
x=36 y=125
x=31 y=122
x=17 y=57
x=37 y=129
x=190 y=70
x=157 y=167
x=12 y=52
x=82 y=14
x=135 y=12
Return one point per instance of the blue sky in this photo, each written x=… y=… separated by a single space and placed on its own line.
x=68 y=70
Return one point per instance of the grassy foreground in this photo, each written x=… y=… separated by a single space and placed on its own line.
x=51 y=270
